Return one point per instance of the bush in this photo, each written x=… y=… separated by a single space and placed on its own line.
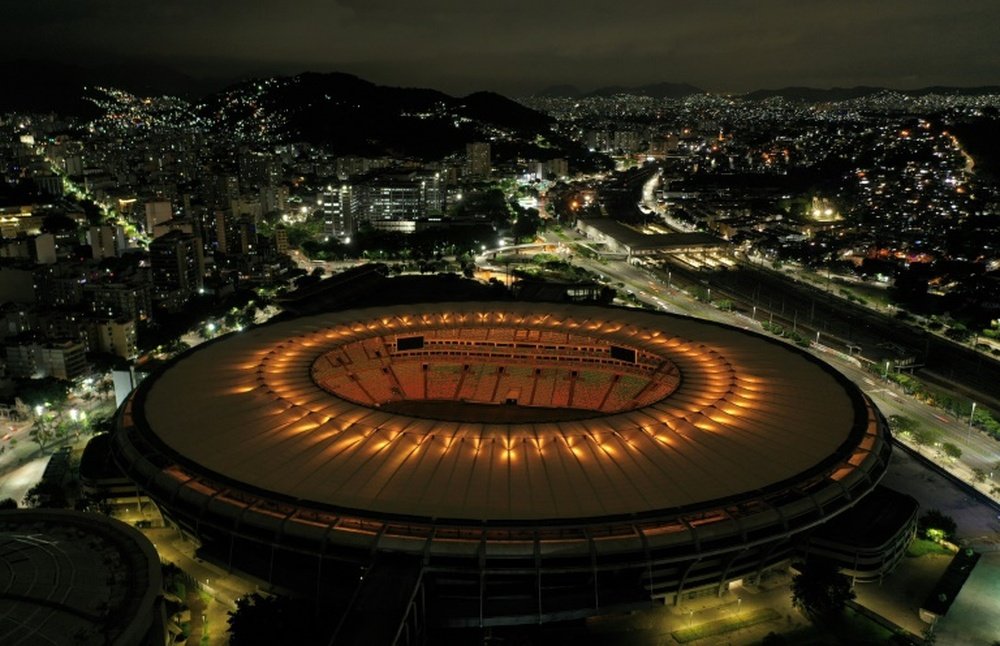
x=951 y=450
x=926 y=436
x=934 y=525
x=900 y=424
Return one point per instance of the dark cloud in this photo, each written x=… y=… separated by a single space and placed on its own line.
x=519 y=45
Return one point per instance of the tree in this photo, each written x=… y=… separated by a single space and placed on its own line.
x=44 y=430
x=526 y=225
x=8 y=503
x=900 y=424
x=936 y=526
x=926 y=436
x=820 y=590
x=46 y=494
x=951 y=450
x=38 y=392
x=958 y=332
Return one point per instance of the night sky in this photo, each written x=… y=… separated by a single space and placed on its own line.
x=519 y=46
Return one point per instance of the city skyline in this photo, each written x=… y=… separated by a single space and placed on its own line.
x=517 y=48
x=440 y=322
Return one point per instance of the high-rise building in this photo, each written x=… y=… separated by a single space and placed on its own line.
x=40 y=249
x=104 y=241
x=119 y=300
x=63 y=360
x=235 y=233
x=281 y=239
x=49 y=183
x=117 y=337
x=247 y=205
x=157 y=212
x=556 y=168
x=477 y=159
x=335 y=203
x=399 y=196
x=177 y=266
x=44 y=249
x=59 y=359
x=273 y=198
x=60 y=285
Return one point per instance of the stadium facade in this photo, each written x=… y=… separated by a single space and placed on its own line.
x=511 y=462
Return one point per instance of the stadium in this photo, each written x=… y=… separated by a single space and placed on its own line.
x=501 y=462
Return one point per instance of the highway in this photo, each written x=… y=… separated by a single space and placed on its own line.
x=979 y=451
x=842 y=324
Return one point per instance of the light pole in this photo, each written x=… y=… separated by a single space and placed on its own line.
x=968 y=435
x=755 y=312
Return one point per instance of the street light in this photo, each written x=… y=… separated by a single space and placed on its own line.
x=968 y=435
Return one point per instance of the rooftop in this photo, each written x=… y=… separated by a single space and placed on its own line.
x=745 y=414
x=74 y=578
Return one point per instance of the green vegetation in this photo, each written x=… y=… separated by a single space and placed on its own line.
x=725 y=625
x=46 y=494
x=958 y=406
x=820 y=590
x=958 y=332
x=701 y=294
x=951 y=450
x=935 y=526
x=900 y=424
x=791 y=335
x=391 y=245
x=926 y=436
x=922 y=547
x=38 y=392
x=53 y=426
x=851 y=628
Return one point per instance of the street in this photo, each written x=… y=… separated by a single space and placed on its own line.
x=979 y=451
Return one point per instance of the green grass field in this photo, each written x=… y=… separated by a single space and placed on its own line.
x=922 y=547
x=725 y=625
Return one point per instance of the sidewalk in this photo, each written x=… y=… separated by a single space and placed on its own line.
x=217 y=591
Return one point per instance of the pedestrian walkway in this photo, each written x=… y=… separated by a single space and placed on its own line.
x=217 y=590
